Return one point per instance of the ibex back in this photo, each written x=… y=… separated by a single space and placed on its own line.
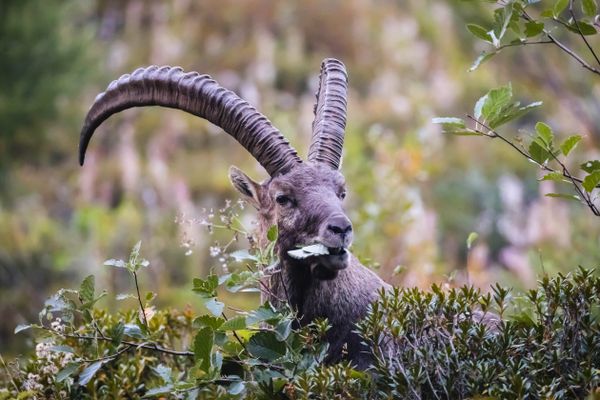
x=304 y=199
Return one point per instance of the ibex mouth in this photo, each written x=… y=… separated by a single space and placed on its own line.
x=336 y=251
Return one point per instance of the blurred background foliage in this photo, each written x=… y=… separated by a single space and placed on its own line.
x=156 y=174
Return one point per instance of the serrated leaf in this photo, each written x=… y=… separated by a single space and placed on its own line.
x=208 y=321
x=533 y=28
x=22 y=327
x=236 y=388
x=471 y=238
x=559 y=7
x=206 y=287
x=564 y=196
x=234 y=324
x=62 y=349
x=512 y=112
x=495 y=102
x=591 y=181
x=553 y=176
x=86 y=290
x=272 y=233
x=582 y=27
x=264 y=345
x=203 y=343
x=243 y=255
x=545 y=134
x=458 y=122
x=265 y=312
x=214 y=306
x=589 y=7
x=133 y=331
x=479 y=32
x=569 y=144
x=67 y=371
x=483 y=57
x=283 y=329
x=164 y=373
x=159 y=391
x=88 y=373
x=591 y=166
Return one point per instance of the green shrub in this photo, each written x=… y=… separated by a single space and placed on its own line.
x=426 y=344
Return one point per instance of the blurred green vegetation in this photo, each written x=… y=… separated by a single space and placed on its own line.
x=414 y=194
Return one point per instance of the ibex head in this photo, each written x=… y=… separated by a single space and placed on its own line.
x=304 y=199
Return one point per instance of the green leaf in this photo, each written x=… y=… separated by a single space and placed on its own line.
x=559 y=7
x=88 y=373
x=86 y=290
x=133 y=331
x=206 y=287
x=236 y=388
x=450 y=125
x=265 y=312
x=203 y=343
x=272 y=233
x=538 y=153
x=591 y=166
x=234 y=324
x=451 y=121
x=533 y=28
x=553 y=176
x=67 y=371
x=62 y=349
x=545 y=134
x=479 y=32
x=582 y=27
x=495 y=101
x=264 y=345
x=589 y=7
x=483 y=57
x=511 y=112
x=569 y=144
x=564 y=196
x=164 y=373
x=471 y=238
x=243 y=255
x=591 y=181
x=214 y=306
x=283 y=329
x=159 y=391
x=209 y=321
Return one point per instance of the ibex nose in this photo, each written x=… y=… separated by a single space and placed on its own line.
x=340 y=225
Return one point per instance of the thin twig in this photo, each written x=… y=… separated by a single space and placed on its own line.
x=563 y=47
x=137 y=288
x=12 y=380
x=147 y=346
x=581 y=33
x=237 y=337
x=108 y=357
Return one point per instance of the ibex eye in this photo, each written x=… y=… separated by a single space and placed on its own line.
x=282 y=199
x=343 y=195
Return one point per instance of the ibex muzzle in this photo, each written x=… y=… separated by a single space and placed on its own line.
x=304 y=199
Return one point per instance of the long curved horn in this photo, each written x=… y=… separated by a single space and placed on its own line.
x=330 y=114
x=199 y=95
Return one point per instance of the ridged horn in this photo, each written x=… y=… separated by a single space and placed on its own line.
x=199 y=95
x=330 y=114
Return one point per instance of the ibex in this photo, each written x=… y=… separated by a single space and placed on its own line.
x=304 y=199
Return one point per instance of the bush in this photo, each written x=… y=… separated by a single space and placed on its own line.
x=546 y=344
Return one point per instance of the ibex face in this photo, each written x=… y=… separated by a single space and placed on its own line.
x=306 y=206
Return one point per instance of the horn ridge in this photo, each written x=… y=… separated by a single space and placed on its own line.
x=199 y=95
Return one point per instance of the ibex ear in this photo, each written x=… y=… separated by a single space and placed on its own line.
x=246 y=186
